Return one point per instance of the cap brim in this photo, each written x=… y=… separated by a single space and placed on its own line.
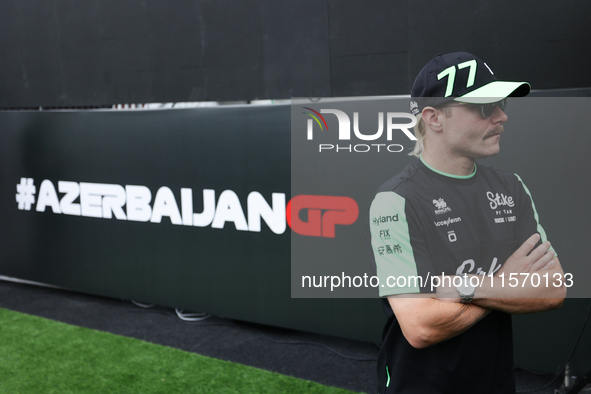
x=495 y=91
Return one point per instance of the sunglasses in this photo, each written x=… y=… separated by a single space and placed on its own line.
x=486 y=110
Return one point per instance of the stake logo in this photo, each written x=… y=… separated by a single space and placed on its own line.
x=499 y=199
x=344 y=130
x=324 y=213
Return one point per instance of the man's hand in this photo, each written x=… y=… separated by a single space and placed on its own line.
x=540 y=258
x=425 y=321
x=497 y=292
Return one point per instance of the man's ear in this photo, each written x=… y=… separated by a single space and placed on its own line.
x=432 y=118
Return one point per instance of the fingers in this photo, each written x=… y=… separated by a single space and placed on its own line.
x=540 y=251
x=529 y=258
x=544 y=262
x=528 y=245
x=549 y=266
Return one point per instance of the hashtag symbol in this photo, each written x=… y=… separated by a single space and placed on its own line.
x=25 y=194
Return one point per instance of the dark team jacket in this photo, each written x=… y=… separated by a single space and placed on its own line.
x=425 y=223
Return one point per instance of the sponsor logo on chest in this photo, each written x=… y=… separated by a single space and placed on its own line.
x=502 y=206
x=499 y=200
x=441 y=206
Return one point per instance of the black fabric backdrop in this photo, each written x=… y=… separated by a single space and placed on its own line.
x=104 y=52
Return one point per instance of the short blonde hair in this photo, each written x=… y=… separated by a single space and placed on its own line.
x=420 y=134
x=420 y=131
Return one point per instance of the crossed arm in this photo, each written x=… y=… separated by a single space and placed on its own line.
x=426 y=320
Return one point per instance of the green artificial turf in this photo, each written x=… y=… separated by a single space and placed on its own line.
x=38 y=355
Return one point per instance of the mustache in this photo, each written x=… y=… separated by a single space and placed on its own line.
x=497 y=130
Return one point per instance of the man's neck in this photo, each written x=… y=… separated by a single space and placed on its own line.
x=459 y=166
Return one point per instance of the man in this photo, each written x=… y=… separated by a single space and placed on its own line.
x=446 y=215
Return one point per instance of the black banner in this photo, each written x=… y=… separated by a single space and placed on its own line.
x=182 y=208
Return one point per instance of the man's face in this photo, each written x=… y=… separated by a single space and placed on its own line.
x=468 y=134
